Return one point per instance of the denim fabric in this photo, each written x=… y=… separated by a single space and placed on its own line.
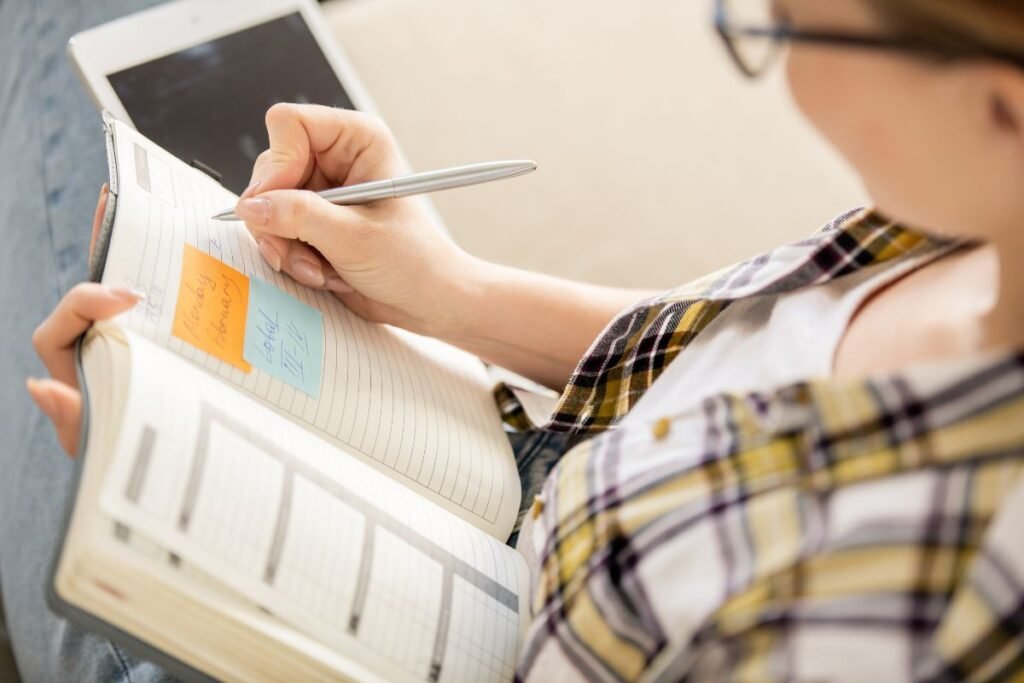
x=51 y=168
x=536 y=453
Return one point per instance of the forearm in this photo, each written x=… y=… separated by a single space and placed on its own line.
x=536 y=325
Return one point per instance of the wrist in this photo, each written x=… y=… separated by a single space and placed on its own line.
x=459 y=307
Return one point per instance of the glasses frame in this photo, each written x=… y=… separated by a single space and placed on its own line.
x=782 y=34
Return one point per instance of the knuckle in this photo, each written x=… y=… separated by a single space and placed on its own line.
x=78 y=295
x=39 y=339
x=86 y=301
x=296 y=213
x=369 y=124
x=376 y=125
x=278 y=112
x=303 y=206
x=280 y=156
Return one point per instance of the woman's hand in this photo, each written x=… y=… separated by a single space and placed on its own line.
x=387 y=261
x=54 y=341
x=390 y=263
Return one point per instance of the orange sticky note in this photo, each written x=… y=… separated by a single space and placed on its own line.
x=213 y=304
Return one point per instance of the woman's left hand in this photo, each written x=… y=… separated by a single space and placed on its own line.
x=54 y=341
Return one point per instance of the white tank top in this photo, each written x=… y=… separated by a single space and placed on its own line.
x=766 y=342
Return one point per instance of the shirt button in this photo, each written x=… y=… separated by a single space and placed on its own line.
x=661 y=428
x=537 y=507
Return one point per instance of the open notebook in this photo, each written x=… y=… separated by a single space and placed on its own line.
x=271 y=488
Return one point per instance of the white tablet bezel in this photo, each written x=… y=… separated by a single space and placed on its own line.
x=165 y=29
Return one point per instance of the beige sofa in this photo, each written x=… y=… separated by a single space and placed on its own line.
x=657 y=160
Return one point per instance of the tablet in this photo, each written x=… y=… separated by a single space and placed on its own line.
x=197 y=77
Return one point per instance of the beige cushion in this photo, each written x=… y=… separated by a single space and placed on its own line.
x=658 y=162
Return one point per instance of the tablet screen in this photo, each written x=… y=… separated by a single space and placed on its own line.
x=207 y=103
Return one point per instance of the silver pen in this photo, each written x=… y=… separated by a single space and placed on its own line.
x=417 y=183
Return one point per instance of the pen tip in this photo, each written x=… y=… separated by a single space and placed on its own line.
x=225 y=216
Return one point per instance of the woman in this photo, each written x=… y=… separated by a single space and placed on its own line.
x=815 y=466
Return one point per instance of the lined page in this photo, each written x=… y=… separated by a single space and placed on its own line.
x=324 y=543
x=412 y=407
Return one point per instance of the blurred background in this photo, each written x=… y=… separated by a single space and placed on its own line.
x=658 y=161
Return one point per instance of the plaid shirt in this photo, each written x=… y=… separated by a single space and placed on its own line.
x=827 y=530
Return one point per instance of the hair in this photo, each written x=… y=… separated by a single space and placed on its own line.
x=966 y=27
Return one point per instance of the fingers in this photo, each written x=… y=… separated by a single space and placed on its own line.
x=63 y=405
x=316 y=182
x=54 y=339
x=326 y=145
x=97 y=218
x=305 y=264
x=291 y=156
x=259 y=169
x=294 y=229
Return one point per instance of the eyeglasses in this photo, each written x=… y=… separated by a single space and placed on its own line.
x=754 y=37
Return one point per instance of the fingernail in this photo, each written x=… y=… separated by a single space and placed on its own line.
x=336 y=284
x=251 y=190
x=43 y=399
x=270 y=254
x=254 y=210
x=126 y=294
x=307 y=272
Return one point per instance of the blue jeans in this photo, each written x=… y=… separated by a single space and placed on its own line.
x=51 y=167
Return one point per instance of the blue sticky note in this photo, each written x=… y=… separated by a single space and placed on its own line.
x=284 y=337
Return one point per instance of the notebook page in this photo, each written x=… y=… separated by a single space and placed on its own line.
x=130 y=604
x=323 y=542
x=414 y=408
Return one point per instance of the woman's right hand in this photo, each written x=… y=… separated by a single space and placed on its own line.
x=388 y=261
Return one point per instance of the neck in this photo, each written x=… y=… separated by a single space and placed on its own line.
x=1004 y=325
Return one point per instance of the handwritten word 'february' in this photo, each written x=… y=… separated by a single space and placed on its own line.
x=212 y=308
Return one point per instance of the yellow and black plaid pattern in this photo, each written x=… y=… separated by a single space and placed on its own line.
x=830 y=530
x=633 y=350
x=773 y=536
